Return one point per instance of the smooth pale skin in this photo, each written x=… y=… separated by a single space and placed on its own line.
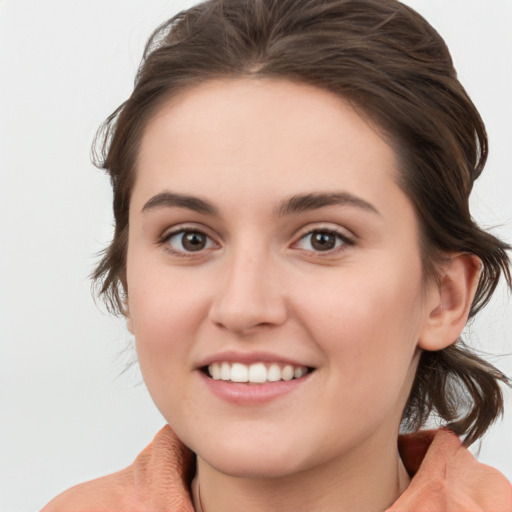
x=359 y=314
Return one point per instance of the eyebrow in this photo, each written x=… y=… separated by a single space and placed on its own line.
x=307 y=202
x=171 y=199
x=296 y=204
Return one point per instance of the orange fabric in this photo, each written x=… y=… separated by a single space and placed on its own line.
x=447 y=478
x=155 y=482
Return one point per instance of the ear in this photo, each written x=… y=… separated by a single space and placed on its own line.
x=128 y=318
x=129 y=324
x=126 y=310
x=449 y=301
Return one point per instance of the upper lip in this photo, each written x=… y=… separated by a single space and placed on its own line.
x=232 y=356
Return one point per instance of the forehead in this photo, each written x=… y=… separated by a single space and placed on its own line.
x=262 y=135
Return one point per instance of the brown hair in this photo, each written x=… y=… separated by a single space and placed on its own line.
x=395 y=69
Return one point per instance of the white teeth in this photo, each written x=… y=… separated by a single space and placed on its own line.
x=274 y=373
x=215 y=371
x=299 y=372
x=239 y=373
x=257 y=373
x=287 y=372
x=225 y=371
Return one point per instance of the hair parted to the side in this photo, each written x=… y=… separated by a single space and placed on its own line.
x=395 y=69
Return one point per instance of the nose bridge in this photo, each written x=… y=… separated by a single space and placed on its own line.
x=249 y=293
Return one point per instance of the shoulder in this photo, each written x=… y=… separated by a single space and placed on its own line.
x=448 y=477
x=156 y=481
x=108 y=493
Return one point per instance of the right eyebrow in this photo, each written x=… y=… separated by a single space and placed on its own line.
x=169 y=199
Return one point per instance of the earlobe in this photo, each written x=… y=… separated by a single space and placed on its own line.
x=129 y=324
x=129 y=321
x=449 y=301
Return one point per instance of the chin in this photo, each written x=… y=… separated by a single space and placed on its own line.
x=253 y=461
x=267 y=467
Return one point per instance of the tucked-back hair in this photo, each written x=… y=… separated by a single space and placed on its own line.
x=395 y=70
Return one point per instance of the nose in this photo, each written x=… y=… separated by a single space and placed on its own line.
x=249 y=296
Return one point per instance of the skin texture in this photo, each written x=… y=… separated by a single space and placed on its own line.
x=358 y=314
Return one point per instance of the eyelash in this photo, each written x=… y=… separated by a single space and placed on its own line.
x=166 y=238
x=342 y=241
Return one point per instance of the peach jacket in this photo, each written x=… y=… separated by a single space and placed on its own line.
x=447 y=478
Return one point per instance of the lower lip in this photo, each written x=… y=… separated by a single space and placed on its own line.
x=250 y=394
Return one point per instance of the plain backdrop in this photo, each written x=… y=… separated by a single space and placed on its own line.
x=68 y=412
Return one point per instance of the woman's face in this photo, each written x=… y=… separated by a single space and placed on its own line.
x=268 y=238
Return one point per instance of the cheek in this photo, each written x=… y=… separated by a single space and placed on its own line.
x=368 y=324
x=166 y=312
x=384 y=302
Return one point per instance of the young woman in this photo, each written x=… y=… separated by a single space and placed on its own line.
x=295 y=257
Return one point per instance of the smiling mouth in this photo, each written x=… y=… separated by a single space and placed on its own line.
x=256 y=373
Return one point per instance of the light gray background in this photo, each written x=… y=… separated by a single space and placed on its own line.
x=67 y=413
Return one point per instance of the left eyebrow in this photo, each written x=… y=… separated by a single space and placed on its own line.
x=307 y=202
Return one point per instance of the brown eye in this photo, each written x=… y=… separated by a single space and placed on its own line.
x=323 y=241
x=186 y=241
x=193 y=241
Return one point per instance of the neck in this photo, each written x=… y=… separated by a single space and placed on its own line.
x=366 y=482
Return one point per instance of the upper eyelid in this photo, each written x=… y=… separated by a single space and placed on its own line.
x=164 y=239
x=178 y=228
x=331 y=228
